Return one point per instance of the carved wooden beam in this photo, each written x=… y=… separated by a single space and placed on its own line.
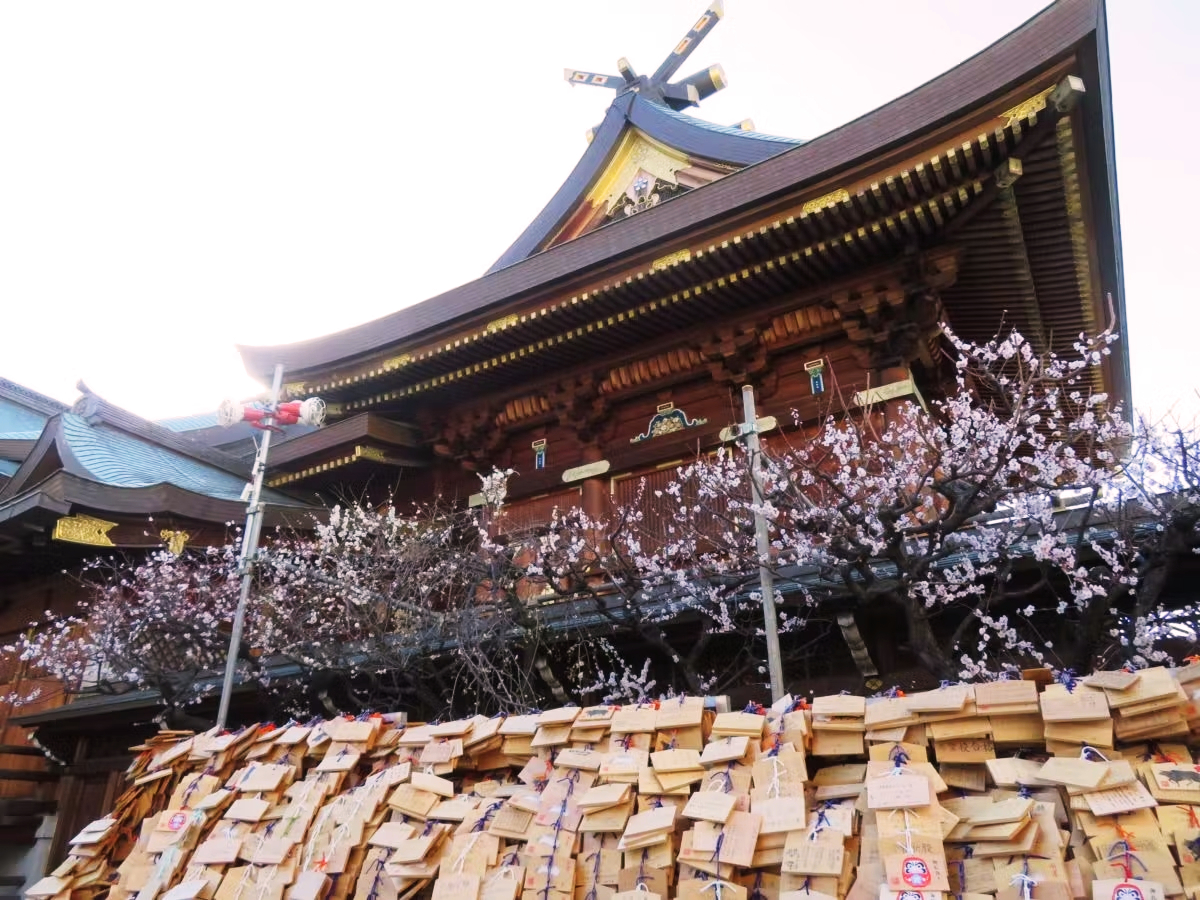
x=889 y=322
x=582 y=407
x=469 y=436
x=737 y=355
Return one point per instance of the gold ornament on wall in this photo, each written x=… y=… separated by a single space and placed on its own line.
x=667 y=420
x=175 y=540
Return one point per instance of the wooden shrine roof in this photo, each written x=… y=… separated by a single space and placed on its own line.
x=1067 y=29
x=97 y=460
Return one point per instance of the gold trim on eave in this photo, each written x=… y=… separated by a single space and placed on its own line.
x=1026 y=108
x=665 y=262
x=658 y=305
x=84 y=530
x=841 y=195
x=502 y=323
x=373 y=454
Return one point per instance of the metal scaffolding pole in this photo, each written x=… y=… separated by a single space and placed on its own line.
x=762 y=544
x=254 y=519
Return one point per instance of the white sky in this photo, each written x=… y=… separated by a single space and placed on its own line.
x=176 y=177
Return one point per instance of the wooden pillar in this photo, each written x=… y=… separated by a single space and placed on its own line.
x=883 y=377
x=69 y=796
x=595 y=500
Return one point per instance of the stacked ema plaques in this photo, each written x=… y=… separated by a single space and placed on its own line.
x=1084 y=789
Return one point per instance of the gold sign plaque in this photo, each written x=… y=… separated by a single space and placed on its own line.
x=763 y=425
x=587 y=471
x=84 y=530
x=885 y=392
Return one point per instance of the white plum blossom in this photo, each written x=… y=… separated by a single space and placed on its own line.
x=1016 y=520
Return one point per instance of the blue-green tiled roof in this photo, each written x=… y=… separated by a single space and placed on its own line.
x=115 y=458
x=189 y=423
x=732 y=130
x=17 y=418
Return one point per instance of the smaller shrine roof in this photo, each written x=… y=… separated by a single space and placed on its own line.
x=100 y=457
x=110 y=456
x=189 y=423
x=116 y=458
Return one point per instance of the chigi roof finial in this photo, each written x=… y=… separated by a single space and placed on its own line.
x=659 y=87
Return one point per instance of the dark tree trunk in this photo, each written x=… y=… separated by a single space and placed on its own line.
x=684 y=667
x=924 y=643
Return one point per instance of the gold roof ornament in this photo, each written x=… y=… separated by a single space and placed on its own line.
x=665 y=262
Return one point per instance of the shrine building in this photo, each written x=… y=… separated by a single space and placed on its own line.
x=681 y=260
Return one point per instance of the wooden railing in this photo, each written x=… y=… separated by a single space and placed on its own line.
x=646 y=492
x=524 y=517
x=521 y=522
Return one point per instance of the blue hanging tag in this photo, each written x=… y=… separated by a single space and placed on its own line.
x=816 y=375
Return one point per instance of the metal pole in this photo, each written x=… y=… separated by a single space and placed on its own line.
x=249 y=549
x=763 y=545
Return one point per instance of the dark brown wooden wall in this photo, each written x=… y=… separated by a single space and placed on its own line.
x=783 y=391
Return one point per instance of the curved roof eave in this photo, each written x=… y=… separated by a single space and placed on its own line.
x=49 y=439
x=567 y=197
x=118 y=459
x=63 y=491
